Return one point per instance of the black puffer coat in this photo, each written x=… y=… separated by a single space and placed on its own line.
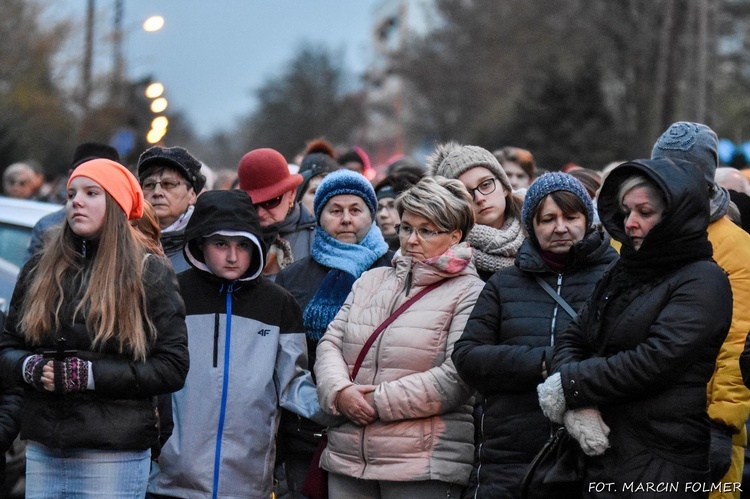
x=120 y=413
x=10 y=405
x=645 y=346
x=509 y=334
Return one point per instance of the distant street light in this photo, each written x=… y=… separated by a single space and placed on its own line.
x=153 y=23
x=159 y=105
x=155 y=135
x=160 y=123
x=154 y=90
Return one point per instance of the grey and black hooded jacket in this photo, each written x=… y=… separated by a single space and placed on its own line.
x=248 y=355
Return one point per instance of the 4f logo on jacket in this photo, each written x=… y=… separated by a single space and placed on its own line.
x=264 y=332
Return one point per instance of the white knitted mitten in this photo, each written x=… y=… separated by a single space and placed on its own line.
x=552 y=398
x=587 y=426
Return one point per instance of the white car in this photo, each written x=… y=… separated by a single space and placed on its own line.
x=17 y=219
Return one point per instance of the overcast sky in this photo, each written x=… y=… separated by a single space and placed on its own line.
x=211 y=56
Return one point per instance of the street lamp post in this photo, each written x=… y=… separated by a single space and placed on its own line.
x=118 y=60
x=88 y=57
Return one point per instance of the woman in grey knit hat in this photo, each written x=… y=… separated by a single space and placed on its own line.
x=497 y=235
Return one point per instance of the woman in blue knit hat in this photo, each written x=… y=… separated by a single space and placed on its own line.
x=347 y=243
x=507 y=344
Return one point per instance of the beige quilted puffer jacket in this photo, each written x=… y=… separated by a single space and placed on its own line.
x=425 y=429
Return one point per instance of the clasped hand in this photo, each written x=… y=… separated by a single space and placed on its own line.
x=357 y=403
x=61 y=376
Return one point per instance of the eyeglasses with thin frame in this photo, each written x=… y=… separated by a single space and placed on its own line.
x=405 y=232
x=167 y=185
x=485 y=187
x=270 y=204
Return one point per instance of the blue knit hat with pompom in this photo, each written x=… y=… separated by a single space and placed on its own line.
x=547 y=184
x=345 y=182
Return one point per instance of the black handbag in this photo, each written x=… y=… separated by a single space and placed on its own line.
x=556 y=471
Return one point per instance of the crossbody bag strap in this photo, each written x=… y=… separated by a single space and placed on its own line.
x=386 y=323
x=556 y=297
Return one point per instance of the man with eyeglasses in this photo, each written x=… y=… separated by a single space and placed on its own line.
x=171 y=180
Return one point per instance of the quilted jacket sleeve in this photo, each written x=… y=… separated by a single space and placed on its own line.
x=679 y=331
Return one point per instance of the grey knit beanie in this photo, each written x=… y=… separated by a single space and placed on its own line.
x=547 y=184
x=693 y=142
x=451 y=160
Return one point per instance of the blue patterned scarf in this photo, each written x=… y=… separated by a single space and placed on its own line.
x=347 y=262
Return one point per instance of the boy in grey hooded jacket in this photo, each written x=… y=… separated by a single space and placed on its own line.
x=247 y=346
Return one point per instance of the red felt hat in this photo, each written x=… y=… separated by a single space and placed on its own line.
x=264 y=174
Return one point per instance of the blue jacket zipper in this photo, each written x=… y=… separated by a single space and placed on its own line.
x=224 y=390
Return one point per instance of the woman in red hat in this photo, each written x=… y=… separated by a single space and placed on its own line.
x=289 y=229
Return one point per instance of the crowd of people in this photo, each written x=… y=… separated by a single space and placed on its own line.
x=421 y=331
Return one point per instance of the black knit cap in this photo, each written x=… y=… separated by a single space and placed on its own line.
x=93 y=150
x=318 y=162
x=177 y=158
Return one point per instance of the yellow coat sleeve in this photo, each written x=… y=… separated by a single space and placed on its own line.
x=728 y=398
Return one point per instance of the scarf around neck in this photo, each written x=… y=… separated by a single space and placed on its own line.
x=351 y=258
x=347 y=262
x=180 y=223
x=454 y=260
x=496 y=248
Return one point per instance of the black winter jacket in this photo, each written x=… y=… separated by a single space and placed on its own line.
x=10 y=405
x=120 y=413
x=508 y=336
x=645 y=346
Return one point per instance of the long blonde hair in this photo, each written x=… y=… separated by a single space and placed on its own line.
x=112 y=291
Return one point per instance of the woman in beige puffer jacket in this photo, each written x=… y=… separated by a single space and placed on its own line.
x=410 y=424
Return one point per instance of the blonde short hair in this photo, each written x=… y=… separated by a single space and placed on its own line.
x=444 y=202
x=634 y=181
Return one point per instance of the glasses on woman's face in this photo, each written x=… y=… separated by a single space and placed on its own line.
x=405 y=232
x=270 y=204
x=485 y=187
x=167 y=185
